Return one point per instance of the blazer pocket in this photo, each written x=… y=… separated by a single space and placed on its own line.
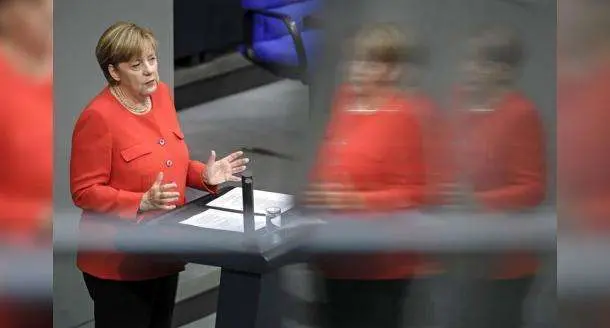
x=137 y=151
x=178 y=134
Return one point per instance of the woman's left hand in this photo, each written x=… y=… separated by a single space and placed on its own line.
x=223 y=170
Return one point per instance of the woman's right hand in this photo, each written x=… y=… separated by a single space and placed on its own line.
x=333 y=196
x=453 y=196
x=159 y=196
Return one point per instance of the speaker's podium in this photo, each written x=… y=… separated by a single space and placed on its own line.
x=199 y=232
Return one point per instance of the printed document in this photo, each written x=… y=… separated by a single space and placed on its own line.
x=262 y=200
x=222 y=220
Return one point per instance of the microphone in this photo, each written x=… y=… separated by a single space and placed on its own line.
x=247 y=186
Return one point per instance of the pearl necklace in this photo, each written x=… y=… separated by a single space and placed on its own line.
x=138 y=109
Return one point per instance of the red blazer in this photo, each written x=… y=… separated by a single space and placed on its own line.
x=116 y=157
x=429 y=118
x=26 y=168
x=502 y=154
x=583 y=151
x=380 y=155
x=26 y=172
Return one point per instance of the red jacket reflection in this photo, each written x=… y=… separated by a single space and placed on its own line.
x=501 y=154
x=379 y=154
x=583 y=140
x=26 y=169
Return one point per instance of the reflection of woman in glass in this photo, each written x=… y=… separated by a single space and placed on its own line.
x=26 y=119
x=583 y=104
x=583 y=139
x=494 y=134
x=371 y=161
x=26 y=125
x=493 y=161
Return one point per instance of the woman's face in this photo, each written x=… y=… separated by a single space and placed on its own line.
x=369 y=75
x=139 y=76
x=479 y=73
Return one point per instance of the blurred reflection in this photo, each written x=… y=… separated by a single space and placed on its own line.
x=371 y=161
x=492 y=145
x=491 y=157
x=583 y=100
x=27 y=117
x=583 y=157
x=26 y=120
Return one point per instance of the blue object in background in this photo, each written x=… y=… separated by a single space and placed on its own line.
x=277 y=37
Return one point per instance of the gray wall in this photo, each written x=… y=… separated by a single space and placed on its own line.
x=77 y=78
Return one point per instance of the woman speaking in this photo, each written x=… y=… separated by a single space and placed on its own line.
x=130 y=162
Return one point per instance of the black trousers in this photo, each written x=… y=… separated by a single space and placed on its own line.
x=133 y=304
x=488 y=303
x=364 y=303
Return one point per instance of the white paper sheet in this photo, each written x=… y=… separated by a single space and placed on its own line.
x=262 y=200
x=222 y=220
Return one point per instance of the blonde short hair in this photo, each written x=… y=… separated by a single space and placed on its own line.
x=388 y=43
x=122 y=42
x=498 y=44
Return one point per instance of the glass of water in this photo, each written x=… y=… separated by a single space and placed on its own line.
x=273 y=217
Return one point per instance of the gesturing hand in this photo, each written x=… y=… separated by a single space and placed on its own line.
x=223 y=170
x=333 y=196
x=159 y=196
x=45 y=226
x=455 y=197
